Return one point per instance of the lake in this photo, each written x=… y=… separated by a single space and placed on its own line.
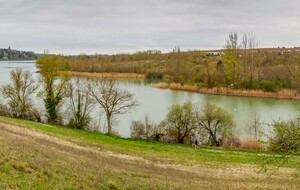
x=156 y=102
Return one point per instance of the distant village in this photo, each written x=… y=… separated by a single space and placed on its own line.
x=278 y=51
x=11 y=54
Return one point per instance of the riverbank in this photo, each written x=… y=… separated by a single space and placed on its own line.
x=283 y=94
x=108 y=75
x=43 y=156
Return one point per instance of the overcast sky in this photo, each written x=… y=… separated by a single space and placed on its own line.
x=115 y=26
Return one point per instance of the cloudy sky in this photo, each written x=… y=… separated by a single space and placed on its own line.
x=115 y=26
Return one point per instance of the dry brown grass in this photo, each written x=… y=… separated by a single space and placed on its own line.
x=108 y=75
x=244 y=144
x=162 y=85
x=19 y=166
x=176 y=86
x=251 y=144
x=190 y=88
x=283 y=94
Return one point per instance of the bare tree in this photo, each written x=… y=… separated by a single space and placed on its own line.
x=249 y=43
x=137 y=130
x=81 y=104
x=111 y=98
x=179 y=68
x=19 y=93
x=146 y=129
x=255 y=127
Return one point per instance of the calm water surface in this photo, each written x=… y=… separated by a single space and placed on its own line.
x=156 y=102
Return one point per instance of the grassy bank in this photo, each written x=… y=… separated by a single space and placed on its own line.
x=282 y=94
x=41 y=156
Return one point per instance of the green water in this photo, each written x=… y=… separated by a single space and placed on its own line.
x=155 y=103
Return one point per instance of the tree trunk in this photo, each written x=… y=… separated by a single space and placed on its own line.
x=180 y=138
x=109 y=127
x=213 y=138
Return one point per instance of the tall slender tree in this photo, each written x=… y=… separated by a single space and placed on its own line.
x=54 y=84
x=231 y=59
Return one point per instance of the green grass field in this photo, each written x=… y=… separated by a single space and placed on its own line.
x=42 y=156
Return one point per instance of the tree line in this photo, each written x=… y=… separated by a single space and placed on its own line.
x=208 y=125
x=240 y=64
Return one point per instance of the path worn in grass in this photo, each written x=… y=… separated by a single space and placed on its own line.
x=33 y=159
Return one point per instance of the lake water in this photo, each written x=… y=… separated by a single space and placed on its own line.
x=156 y=102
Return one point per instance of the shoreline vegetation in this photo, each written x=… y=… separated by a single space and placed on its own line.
x=106 y=75
x=240 y=68
x=233 y=71
x=282 y=94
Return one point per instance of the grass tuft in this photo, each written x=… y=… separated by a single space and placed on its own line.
x=19 y=166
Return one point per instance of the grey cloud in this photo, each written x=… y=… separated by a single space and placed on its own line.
x=111 y=26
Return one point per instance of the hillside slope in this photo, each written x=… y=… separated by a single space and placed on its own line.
x=38 y=156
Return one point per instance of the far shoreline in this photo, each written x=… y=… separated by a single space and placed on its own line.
x=107 y=75
x=282 y=94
